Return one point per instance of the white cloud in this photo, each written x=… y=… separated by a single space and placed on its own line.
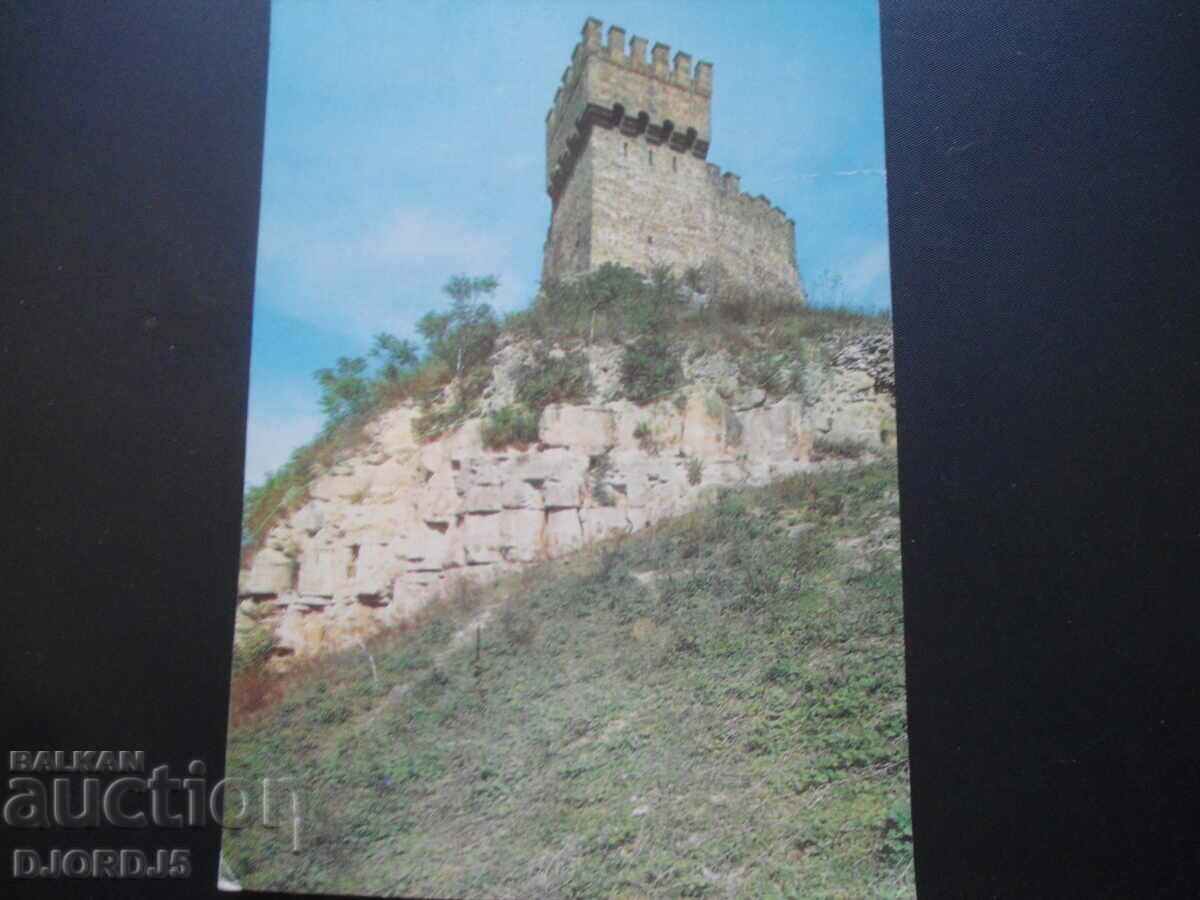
x=409 y=236
x=865 y=275
x=385 y=275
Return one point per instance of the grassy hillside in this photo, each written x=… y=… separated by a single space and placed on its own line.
x=713 y=707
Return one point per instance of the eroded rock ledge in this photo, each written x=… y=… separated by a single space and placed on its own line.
x=392 y=525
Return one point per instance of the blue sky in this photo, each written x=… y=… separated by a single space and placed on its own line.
x=404 y=144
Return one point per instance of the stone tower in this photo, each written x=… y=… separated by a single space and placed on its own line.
x=626 y=146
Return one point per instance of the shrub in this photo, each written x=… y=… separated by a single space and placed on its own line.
x=510 y=425
x=547 y=380
x=436 y=422
x=650 y=368
x=442 y=413
x=518 y=627
x=598 y=468
x=824 y=447
x=253 y=687
x=614 y=301
x=255 y=648
x=665 y=287
x=896 y=834
x=644 y=435
x=345 y=390
x=695 y=470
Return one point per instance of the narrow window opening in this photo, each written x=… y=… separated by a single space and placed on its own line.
x=352 y=567
x=674 y=163
x=651 y=152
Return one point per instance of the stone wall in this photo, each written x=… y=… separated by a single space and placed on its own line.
x=652 y=206
x=569 y=242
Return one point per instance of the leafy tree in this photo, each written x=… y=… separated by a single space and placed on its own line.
x=400 y=357
x=344 y=389
x=466 y=335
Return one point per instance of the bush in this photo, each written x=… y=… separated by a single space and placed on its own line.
x=824 y=447
x=345 y=389
x=515 y=425
x=255 y=648
x=614 y=302
x=598 y=468
x=436 y=422
x=695 y=471
x=896 y=834
x=644 y=435
x=650 y=368
x=518 y=627
x=442 y=413
x=779 y=373
x=743 y=305
x=547 y=380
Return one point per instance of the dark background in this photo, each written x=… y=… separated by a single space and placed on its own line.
x=1043 y=204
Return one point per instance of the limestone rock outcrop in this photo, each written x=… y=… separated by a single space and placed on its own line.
x=389 y=527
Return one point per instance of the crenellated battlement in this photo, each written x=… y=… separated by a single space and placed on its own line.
x=605 y=71
x=627 y=141
x=729 y=188
x=679 y=72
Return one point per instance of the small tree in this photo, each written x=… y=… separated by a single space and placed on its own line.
x=466 y=335
x=344 y=389
x=400 y=357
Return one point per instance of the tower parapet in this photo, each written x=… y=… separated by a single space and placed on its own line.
x=604 y=73
x=627 y=140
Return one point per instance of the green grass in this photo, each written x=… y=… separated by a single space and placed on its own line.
x=713 y=707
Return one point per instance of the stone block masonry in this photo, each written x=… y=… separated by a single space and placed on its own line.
x=626 y=145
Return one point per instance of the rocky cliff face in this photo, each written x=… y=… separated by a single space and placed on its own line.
x=397 y=521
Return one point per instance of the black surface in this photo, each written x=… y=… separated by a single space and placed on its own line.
x=131 y=148
x=1042 y=196
x=1043 y=209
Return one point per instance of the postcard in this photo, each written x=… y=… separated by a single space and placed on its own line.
x=571 y=545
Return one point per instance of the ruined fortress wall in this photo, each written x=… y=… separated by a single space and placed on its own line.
x=754 y=242
x=644 y=206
